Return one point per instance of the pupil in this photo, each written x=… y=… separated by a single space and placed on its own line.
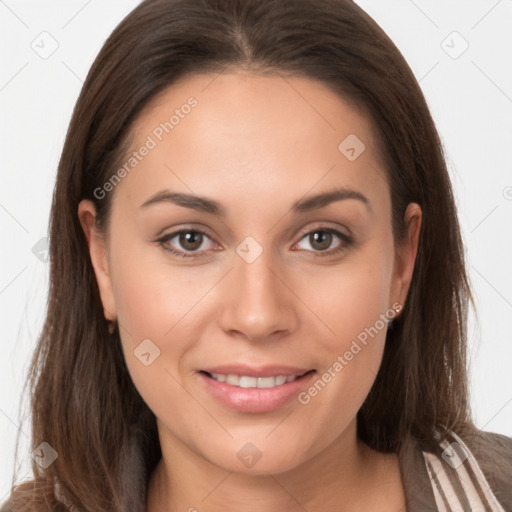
x=190 y=240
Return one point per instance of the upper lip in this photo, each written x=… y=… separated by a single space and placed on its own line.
x=256 y=371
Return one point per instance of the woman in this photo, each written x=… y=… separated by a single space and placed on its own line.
x=258 y=297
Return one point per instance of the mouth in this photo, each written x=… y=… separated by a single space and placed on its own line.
x=255 y=393
x=249 y=381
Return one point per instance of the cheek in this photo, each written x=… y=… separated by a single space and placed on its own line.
x=149 y=303
x=152 y=296
x=157 y=318
x=348 y=298
x=351 y=318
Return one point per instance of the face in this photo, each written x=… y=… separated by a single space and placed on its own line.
x=241 y=272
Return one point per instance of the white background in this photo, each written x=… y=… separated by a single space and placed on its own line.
x=470 y=98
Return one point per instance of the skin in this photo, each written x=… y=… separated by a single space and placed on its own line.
x=256 y=144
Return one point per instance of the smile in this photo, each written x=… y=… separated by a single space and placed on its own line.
x=252 y=393
x=246 y=381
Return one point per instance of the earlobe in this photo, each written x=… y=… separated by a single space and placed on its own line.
x=98 y=255
x=407 y=250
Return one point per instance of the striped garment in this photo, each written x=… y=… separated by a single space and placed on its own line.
x=465 y=469
x=453 y=479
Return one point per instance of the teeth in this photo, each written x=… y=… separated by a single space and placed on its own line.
x=245 y=381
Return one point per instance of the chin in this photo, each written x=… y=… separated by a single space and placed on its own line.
x=251 y=460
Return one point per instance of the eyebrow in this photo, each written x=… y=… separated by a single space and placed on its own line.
x=204 y=204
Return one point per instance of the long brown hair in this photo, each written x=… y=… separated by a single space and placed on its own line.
x=83 y=401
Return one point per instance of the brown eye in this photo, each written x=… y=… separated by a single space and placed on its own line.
x=186 y=243
x=320 y=240
x=190 y=240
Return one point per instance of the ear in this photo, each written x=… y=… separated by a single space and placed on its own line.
x=405 y=255
x=99 y=256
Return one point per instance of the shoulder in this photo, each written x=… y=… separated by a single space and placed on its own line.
x=462 y=471
x=6 y=506
x=493 y=453
x=490 y=445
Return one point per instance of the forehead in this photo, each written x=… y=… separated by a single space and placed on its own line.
x=247 y=133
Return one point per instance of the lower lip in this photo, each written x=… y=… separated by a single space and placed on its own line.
x=255 y=399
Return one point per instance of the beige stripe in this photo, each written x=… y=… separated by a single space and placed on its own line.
x=454 y=503
x=471 y=493
x=441 y=507
x=486 y=488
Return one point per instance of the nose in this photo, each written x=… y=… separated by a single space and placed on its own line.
x=257 y=303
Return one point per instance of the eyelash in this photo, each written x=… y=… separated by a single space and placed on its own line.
x=347 y=242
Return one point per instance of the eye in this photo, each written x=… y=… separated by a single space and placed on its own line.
x=187 y=243
x=321 y=240
x=190 y=240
